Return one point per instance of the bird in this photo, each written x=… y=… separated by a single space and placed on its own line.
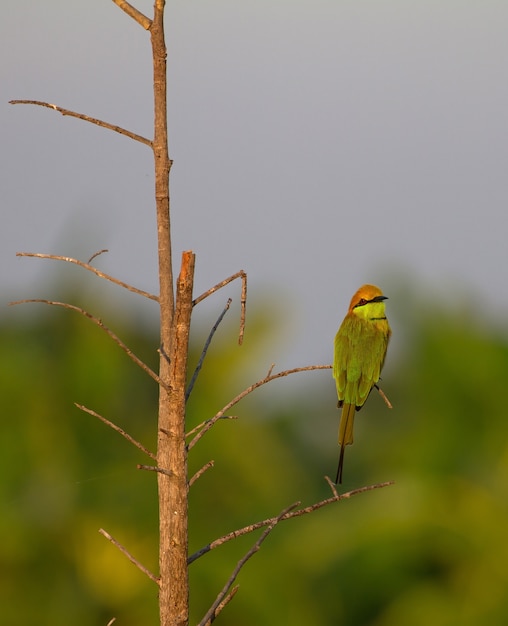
x=359 y=353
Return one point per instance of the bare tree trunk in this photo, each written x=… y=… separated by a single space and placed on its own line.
x=172 y=456
x=174 y=335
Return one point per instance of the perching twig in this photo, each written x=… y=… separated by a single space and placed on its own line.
x=86 y=118
x=136 y=15
x=129 y=555
x=118 y=430
x=213 y=610
x=304 y=511
x=383 y=395
x=205 y=349
x=90 y=268
x=100 y=324
x=209 y=423
x=243 y=301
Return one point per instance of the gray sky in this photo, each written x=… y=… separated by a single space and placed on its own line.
x=317 y=144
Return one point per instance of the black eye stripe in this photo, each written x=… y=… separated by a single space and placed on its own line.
x=363 y=301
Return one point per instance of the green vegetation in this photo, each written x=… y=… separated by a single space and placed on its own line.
x=430 y=549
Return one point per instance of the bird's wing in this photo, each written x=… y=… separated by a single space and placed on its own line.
x=360 y=349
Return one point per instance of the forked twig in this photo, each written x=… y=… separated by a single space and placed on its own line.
x=209 y=423
x=205 y=349
x=131 y=558
x=266 y=522
x=86 y=118
x=213 y=610
x=119 y=430
x=243 y=300
x=90 y=268
x=100 y=324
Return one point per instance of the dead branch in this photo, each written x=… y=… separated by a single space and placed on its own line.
x=243 y=300
x=136 y=15
x=267 y=379
x=200 y=472
x=100 y=324
x=90 y=268
x=304 y=511
x=118 y=430
x=205 y=349
x=86 y=118
x=213 y=611
x=131 y=558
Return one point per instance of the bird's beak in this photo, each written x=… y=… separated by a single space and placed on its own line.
x=379 y=298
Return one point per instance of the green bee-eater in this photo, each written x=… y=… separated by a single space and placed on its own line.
x=360 y=350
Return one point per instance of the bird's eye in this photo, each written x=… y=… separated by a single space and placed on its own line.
x=362 y=302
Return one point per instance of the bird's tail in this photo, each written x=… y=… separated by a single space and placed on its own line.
x=345 y=435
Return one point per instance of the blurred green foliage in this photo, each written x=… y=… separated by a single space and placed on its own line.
x=430 y=549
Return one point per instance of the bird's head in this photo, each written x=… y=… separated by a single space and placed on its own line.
x=368 y=302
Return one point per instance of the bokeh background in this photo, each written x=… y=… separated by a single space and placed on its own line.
x=317 y=146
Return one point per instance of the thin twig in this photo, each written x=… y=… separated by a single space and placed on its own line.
x=136 y=15
x=118 y=430
x=224 y=603
x=151 y=468
x=209 y=423
x=205 y=349
x=383 y=395
x=200 y=426
x=111 y=621
x=200 y=472
x=332 y=485
x=100 y=324
x=213 y=610
x=304 y=511
x=243 y=307
x=96 y=254
x=90 y=268
x=86 y=118
x=269 y=373
x=131 y=558
x=243 y=301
